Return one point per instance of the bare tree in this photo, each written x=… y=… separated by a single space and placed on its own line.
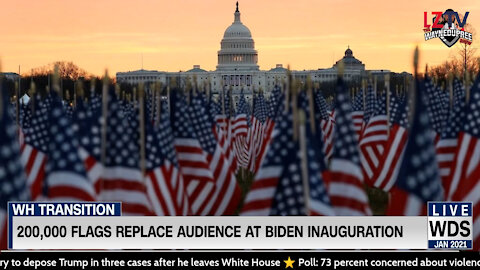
x=67 y=70
x=466 y=59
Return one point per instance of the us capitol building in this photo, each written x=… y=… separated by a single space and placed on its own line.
x=238 y=67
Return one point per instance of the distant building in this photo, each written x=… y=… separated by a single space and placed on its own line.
x=11 y=76
x=238 y=68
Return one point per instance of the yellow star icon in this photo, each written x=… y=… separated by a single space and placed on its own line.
x=289 y=262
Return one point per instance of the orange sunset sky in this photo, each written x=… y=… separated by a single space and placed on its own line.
x=174 y=35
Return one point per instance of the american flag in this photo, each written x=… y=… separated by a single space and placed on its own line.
x=224 y=132
x=121 y=178
x=215 y=109
x=370 y=104
x=191 y=157
x=66 y=177
x=315 y=140
x=373 y=140
x=327 y=120
x=257 y=131
x=278 y=188
x=458 y=92
x=226 y=194
x=68 y=109
x=321 y=105
x=467 y=155
x=225 y=139
x=418 y=178
x=165 y=184
x=391 y=159
x=435 y=108
x=275 y=106
x=448 y=143
x=87 y=123
x=240 y=129
x=260 y=111
x=394 y=109
x=35 y=147
x=357 y=114
x=328 y=131
x=346 y=187
x=13 y=186
x=467 y=167
x=275 y=103
x=227 y=110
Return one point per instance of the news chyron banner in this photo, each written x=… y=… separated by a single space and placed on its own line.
x=101 y=226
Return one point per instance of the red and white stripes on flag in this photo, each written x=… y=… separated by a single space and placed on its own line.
x=403 y=203
x=239 y=125
x=256 y=137
x=328 y=131
x=118 y=184
x=259 y=200
x=221 y=121
x=446 y=148
x=357 y=117
x=166 y=190
x=226 y=195
x=66 y=186
x=345 y=188
x=469 y=191
x=34 y=162
x=372 y=145
x=242 y=150
x=224 y=139
x=467 y=160
x=390 y=162
x=196 y=172
x=241 y=144
x=125 y=185
x=268 y=135
x=92 y=166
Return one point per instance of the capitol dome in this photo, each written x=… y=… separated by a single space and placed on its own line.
x=237 y=47
x=349 y=61
x=237 y=29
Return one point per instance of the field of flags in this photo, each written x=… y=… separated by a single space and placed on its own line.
x=290 y=154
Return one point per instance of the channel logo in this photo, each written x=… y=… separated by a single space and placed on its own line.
x=450 y=225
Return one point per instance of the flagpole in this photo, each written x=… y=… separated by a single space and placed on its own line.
x=75 y=94
x=1 y=91
x=17 y=116
x=104 y=122
x=364 y=91
x=450 y=89
x=55 y=81
x=34 y=94
x=294 y=91
x=152 y=93
x=158 y=101
x=208 y=85
x=17 y=103
x=79 y=93
x=48 y=85
x=222 y=97
x=168 y=99
x=415 y=92
x=287 y=88
x=141 y=92
x=387 y=89
x=310 y=104
x=304 y=166
x=467 y=88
